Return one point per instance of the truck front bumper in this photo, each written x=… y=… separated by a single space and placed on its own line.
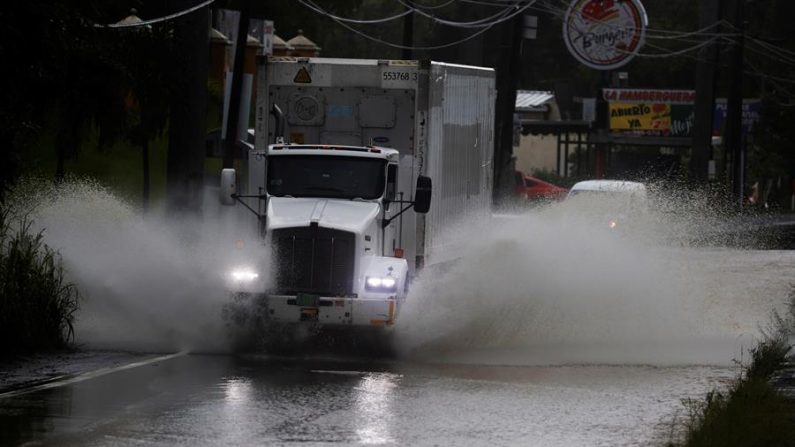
x=331 y=311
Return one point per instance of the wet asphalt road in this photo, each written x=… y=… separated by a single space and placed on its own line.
x=250 y=400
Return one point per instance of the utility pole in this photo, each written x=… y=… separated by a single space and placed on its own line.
x=734 y=106
x=706 y=74
x=188 y=119
x=510 y=52
x=236 y=90
x=408 y=35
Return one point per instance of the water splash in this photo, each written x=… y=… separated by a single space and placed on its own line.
x=148 y=283
x=559 y=286
x=552 y=286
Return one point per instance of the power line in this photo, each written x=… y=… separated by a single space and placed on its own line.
x=411 y=8
x=487 y=21
x=765 y=49
x=651 y=33
x=675 y=53
x=505 y=16
x=314 y=7
x=443 y=5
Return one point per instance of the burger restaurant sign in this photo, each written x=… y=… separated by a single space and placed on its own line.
x=604 y=34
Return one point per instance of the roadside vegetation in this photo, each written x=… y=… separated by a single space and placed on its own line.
x=37 y=303
x=752 y=412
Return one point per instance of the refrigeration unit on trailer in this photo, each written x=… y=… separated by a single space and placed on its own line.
x=359 y=171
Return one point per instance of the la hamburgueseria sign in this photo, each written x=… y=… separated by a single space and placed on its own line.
x=604 y=34
x=666 y=113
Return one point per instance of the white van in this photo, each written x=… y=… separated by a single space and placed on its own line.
x=617 y=200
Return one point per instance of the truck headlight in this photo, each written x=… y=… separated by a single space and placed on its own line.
x=380 y=284
x=243 y=275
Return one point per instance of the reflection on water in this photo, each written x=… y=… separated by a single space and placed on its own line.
x=208 y=401
x=237 y=392
x=373 y=407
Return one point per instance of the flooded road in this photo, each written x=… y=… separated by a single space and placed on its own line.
x=548 y=332
x=589 y=373
x=250 y=400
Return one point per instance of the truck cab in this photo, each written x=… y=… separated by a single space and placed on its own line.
x=333 y=230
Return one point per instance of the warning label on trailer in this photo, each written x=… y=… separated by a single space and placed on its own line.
x=302 y=77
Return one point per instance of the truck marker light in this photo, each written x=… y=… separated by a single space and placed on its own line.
x=244 y=275
x=398 y=252
x=384 y=284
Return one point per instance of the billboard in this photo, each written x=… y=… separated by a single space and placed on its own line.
x=666 y=113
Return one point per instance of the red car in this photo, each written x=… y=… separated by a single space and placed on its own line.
x=531 y=188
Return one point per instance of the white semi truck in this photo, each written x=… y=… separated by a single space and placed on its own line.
x=340 y=177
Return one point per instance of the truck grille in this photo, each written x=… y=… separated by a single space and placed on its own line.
x=314 y=260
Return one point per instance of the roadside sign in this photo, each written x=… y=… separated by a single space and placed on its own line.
x=667 y=113
x=604 y=34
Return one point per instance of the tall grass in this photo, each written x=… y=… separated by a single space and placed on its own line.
x=37 y=304
x=752 y=412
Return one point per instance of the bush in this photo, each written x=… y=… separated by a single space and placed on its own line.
x=37 y=305
x=752 y=412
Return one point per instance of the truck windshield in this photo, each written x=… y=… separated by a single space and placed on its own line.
x=326 y=176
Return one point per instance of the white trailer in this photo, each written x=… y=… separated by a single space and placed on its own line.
x=340 y=145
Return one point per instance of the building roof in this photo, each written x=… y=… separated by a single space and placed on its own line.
x=131 y=19
x=300 y=42
x=252 y=41
x=279 y=43
x=217 y=36
x=533 y=100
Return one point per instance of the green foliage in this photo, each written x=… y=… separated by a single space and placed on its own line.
x=752 y=412
x=37 y=304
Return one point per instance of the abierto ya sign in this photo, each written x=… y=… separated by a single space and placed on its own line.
x=651 y=112
x=667 y=113
x=604 y=34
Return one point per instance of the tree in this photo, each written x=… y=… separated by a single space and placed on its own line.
x=60 y=73
x=145 y=52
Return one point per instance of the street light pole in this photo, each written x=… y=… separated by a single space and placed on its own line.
x=188 y=117
x=706 y=74
x=734 y=106
x=507 y=77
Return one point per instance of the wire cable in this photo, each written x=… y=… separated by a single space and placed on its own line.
x=443 y=5
x=423 y=48
x=487 y=21
x=316 y=8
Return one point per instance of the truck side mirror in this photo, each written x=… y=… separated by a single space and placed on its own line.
x=422 y=197
x=228 y=186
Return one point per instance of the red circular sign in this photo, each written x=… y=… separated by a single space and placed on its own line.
x=604 y=34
